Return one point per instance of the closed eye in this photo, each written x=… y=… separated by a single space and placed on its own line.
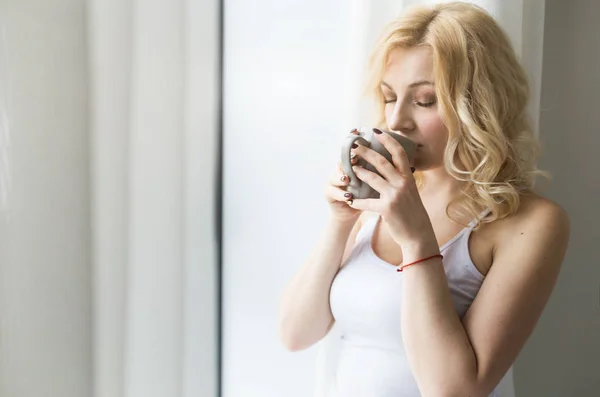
x=425 y=104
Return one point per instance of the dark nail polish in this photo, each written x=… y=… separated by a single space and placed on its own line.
x=354 y=131
x=354 y=146
x=377 y=131
x=347 y=195
x=412 y=169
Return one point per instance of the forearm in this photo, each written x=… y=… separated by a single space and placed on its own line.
x=437 y=345
x=305 y=315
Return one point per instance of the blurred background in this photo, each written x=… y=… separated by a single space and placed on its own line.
x=162 y=165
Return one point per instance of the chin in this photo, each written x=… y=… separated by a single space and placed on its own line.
x=419 y=161
x=421 y=164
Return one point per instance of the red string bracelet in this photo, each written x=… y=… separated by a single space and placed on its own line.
x=420 y=260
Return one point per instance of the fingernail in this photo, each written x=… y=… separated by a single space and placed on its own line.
x=354 y=131
x=412 y=169
x=349 y=202
x=347 y=195
x=343 y=178
x=377 y=131
x=354 y=146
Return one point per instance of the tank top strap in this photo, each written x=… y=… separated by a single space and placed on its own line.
x=366 y=229
x=457 y=256
x=481 y=216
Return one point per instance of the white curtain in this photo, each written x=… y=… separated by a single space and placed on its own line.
x=524 y=22
x=108 y=280
x=154 y=73
x=45 y=270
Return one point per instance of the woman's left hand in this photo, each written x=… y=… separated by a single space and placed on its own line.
x=399 y=204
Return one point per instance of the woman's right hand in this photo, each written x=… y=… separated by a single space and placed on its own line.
x=337 y=196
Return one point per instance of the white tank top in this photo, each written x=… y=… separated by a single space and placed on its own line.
x=365 y=300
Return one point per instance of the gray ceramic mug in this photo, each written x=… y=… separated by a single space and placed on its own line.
x=365 y=137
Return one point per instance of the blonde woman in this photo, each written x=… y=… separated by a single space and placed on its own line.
x=479 y=250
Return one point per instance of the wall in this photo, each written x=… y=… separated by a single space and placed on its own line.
x=563 y=356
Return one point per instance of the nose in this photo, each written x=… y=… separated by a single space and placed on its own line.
x=401 y=119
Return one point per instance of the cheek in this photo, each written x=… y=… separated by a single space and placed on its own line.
x=389 y=113
x=433 y=129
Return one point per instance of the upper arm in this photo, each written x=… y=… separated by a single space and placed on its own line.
x=524 y=270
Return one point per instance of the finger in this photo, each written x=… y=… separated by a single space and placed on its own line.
x=353 y=155
x=366 y=204
x=381 y=164
x=335 y=193
x=372 y=179
x=339 y=178
x=399 y=156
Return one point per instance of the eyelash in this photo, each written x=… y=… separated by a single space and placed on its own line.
x=421 y=104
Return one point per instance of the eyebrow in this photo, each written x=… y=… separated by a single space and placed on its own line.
x=415 y=84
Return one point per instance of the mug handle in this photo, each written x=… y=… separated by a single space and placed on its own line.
x=355 y=183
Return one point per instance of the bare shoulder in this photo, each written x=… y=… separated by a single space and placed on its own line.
x=539 y=222
x=535 y=212
x=538 y=208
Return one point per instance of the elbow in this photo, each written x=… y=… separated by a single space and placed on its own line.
x=464 y=391
x=456 y=388
x=296 y=335
x=292 y=345
x=445 y=393
x=292 y=341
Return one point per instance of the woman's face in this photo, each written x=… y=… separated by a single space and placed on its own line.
x=411 y=107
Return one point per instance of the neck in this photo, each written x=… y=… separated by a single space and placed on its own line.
x=439 y=185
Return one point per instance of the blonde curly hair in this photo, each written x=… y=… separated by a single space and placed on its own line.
x=482 y=92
